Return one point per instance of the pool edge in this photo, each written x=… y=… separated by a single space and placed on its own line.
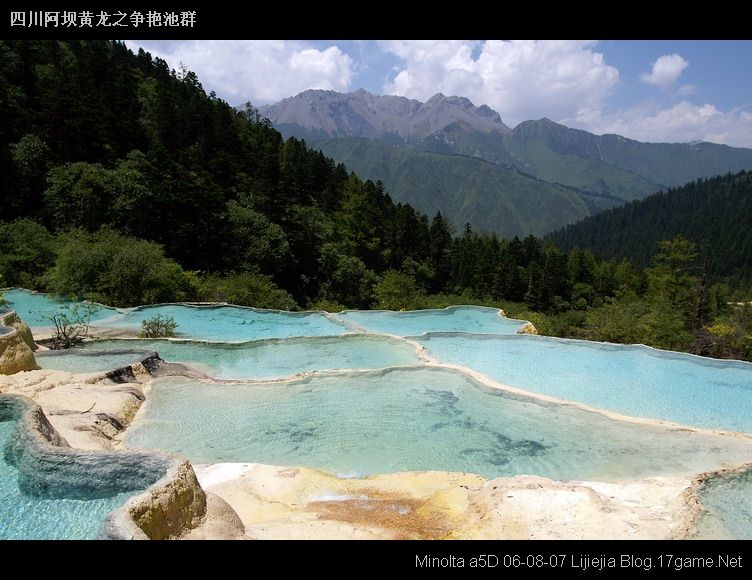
x=167 y=507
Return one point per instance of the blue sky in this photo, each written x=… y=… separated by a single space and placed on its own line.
x=673 y=91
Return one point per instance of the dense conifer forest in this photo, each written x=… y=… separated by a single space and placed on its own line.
x=715 y=213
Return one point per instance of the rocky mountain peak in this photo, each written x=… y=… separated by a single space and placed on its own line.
x=362 y=114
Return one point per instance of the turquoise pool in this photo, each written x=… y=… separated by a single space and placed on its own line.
x=728 y=501
x=236 y=324
x=230 y=323
x=476 y=319
x=632 y=380
x=79 y=361
x=225 y=323
x=35 y=309
x=270 y=359
x=408 y=419
x=23 y=517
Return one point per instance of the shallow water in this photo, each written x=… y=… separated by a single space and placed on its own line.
x=78 y=361
x=409 y=419
x=23 y=517
x=230 y=323
x=276 y=358
x=477 y=319
x=728 y=501
x=636 y=381
x=35 y=309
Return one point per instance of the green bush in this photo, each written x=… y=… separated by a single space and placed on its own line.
x=247 y=289
x=349 y=281
x=118 y=270
x=542 y=322
x=569 y=323
x=627 y=320
x=327 y=306
x=256 y=242
x=158 y=326
x=398 y=291
x=27 y=251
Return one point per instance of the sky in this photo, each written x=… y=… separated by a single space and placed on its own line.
x=660 y=91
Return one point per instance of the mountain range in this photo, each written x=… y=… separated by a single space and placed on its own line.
x=448 y=155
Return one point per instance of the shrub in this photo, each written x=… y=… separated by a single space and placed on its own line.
x=349 y=281
x=27 y=251
x=398 y=291
x=158 y=327
x=71 y=327
x=327 y=306
x=118 y=270
x=247 y=289
x=542 y=322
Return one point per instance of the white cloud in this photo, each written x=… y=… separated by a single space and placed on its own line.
x=666 y=71
x=262 y=70
x=681 y=123
x=564 y=80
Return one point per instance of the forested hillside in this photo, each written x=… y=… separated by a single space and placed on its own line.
x=124 y=182
x=460 y=186
x=715 y=213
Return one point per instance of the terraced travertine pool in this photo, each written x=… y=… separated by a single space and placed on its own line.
x=26 y=517
x=76 y=360
x=237 y=324
x=409 y=419
x=229 y=323
x=275 y=358
x=417 y=322
x=35 y=309
x=728 y=503
x=377 y=403
x=632 y=380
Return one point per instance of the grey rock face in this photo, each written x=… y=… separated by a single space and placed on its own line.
x=361 y=114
